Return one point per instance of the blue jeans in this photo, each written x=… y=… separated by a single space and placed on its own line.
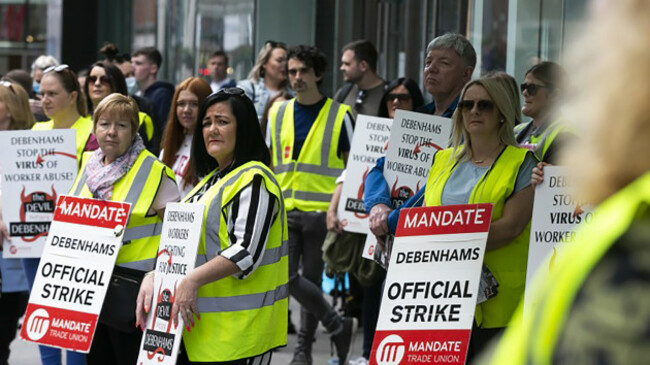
x=49 y=355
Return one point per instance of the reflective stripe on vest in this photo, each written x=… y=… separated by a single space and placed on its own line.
x=243 y=302
x=532 y=340
x=141 y=237
x=317 y=157
x=507 y=263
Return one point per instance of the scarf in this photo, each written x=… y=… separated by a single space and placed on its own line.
x=101 y=178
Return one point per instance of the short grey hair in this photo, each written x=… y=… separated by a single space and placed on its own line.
x=455 y=42
x=43 y=62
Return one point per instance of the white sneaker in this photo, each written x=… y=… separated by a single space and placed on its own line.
x=358 y=361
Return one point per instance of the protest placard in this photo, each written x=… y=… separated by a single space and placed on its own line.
x=179 y=242
x=431 y=288
x=414 y=139
x=73 y=275
x=37 y=167
x=369 y=143
x=556 y=216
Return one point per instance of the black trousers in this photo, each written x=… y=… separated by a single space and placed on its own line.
x=111 y=346
x=12 y=307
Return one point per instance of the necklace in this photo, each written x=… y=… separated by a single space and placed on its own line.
x=478 y=162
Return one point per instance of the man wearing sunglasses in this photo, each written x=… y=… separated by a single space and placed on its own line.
x=363 y=89
x=310 y=142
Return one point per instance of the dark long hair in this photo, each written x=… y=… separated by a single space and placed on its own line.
x=115 y=79
x=249 y=143
x=410 y=85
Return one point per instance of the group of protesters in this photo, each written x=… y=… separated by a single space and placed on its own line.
x=266 y=156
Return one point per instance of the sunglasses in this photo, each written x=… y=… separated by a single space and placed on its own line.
x=481 y=105
x=400 y=97
x=532 y=88
x=7 y=84
x=58 y=68
x=102 y=79
x=275 y=44
x=232 y=91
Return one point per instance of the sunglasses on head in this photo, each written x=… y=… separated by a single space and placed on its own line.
x=275 y=44
x=232 y=91
x=532 y=88
x=102 y=79
x=481 y=105
x=58 y=68
x=400 y=97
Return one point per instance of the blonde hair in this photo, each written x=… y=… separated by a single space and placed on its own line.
x=262 y=58
x=17 y=102
x=499 y=90
x=612 y=107
x=121 y=106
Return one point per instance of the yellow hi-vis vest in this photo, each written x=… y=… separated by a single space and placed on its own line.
x=148 y=124
x=240 y=318
x=138 y=187
x=83 y=129
x=533 y=339
x=544 y=140
x=309 y=182
x=507 y=263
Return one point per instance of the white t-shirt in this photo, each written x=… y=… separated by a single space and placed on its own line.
x=180 y=165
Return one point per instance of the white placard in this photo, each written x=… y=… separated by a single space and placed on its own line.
x=414 y=139
x=37 y=167
x=74 y=272
x=179 y=242
x=432 y=283
x=369 y=143
x=556 y=216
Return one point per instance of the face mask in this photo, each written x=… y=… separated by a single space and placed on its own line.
x=131 y=85
x=36 y=86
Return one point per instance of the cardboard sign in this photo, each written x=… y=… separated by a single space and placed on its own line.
x=37 y=167
x=369 y=143
x=431 y=288
x=179 y=242
x=556 y=216
x=73 y=275
x=415 y=138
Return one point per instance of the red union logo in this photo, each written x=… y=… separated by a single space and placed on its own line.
x=390 y=351
x=38 y=324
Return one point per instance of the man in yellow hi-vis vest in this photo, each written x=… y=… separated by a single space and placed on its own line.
x=310 y=141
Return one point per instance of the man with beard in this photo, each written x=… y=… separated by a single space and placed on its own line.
x=364 y=89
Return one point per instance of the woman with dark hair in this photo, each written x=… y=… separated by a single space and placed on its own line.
x=401 y=93
x=104 y=78
x=177 y=138
x=239 y=288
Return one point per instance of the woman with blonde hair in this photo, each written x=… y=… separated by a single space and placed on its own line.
x=177 y=138
x=485 y=165
x=15 y=113
x=268 y=77
x=594 y=302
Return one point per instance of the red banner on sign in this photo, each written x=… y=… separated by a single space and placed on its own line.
x=420 y=347
x=446 y=219
x=96 y=213
x=59 y=327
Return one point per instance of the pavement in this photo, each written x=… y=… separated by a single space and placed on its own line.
x=26 y=353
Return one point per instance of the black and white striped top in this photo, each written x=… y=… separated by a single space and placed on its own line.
x=249 y=217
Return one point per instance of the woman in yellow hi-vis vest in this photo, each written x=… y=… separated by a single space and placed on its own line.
x=234 y=304
x=594 y=303
x=485 y=165
x=123 y=170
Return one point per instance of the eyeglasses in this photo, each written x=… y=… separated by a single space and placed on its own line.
x=8 y=85
x=532 y=88
x=232 y=91
x=400 y=97
x=58 y=68
x=275 y=44
x=102 y=79
x=481 y=105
